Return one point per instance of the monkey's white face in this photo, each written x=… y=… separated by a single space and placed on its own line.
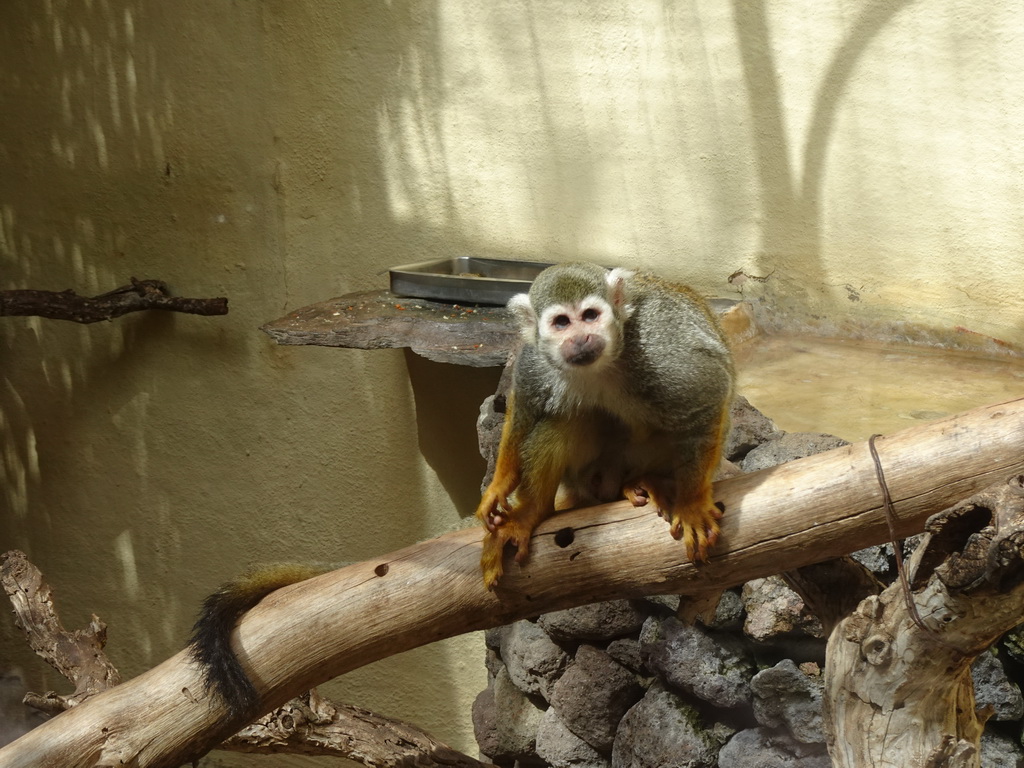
x=576 y=336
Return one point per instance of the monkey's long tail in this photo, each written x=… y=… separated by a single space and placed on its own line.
x=210 y=643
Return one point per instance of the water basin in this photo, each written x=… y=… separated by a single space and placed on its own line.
x=853 y=389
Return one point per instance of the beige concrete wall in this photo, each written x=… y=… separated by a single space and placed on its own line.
x=865 y=157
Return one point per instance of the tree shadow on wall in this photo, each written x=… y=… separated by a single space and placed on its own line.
x=792 y=204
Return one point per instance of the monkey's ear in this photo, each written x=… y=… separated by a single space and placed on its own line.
x=522 y=310
x=618 y=290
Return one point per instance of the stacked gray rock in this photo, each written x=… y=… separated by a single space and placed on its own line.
x=624 y=684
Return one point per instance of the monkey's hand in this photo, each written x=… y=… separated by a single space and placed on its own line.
x=491 y=563
x=497 y=514
x=493 y=508
x=507 y=523
x=693 y=516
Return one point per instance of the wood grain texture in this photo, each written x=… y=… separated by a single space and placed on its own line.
x=777 y=519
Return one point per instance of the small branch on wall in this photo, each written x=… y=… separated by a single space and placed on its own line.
x=137 y=296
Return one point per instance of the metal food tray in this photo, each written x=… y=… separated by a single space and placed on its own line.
x=465 y=279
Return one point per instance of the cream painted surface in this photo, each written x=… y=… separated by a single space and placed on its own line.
x=865 y=157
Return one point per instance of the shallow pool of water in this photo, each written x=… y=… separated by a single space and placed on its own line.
x=854 y=388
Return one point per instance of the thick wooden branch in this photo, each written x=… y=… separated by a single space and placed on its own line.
x=788 y=516
x=308 y=724
x=138 y=296
x=898 y=692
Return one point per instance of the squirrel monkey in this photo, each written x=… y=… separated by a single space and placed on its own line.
x=622 y=388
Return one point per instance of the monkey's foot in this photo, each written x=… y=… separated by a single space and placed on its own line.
x=636 y=494
x=696 y=524
x=491 y=560
x=693 y=521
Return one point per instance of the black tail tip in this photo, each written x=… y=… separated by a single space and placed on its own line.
x=210 y=648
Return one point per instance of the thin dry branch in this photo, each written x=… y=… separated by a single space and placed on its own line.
x=312 y=725
x=137 y=296
x=308 y=724
x=795 y=514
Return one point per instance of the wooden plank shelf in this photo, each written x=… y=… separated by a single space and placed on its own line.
x=474 y=335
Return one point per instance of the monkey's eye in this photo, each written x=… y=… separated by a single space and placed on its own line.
x=590 y=315
x=560 y=321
